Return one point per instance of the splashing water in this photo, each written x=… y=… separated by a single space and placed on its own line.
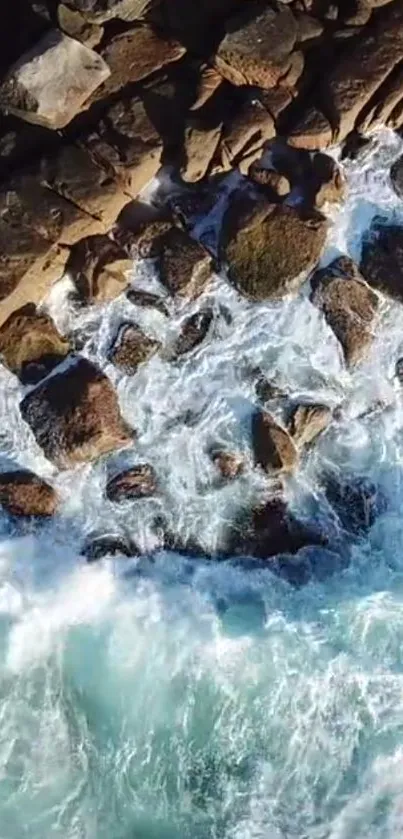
x=174 y=698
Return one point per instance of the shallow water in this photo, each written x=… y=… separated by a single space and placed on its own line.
x=170 y=698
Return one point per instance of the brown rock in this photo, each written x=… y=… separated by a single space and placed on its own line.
x=209 y=81
x=138 y=482
x=75 y=415
x=134 y=55
x=51 y=82
x=382 y=106
x=73 y=23
x=30 y=344
x=312 y=131
x=229 y=464
x=185 y=265
x=275 y=100
x=98 y=266
x=268 y=247
x=126 y=143
x=193 y=332
x=382 y=259
x=199 y=145
x=32 y=282
x=349 y=306
x=247 y=131
x=142 y=298
x=131 y=348
x=272 y=445
x=308 y=28
x=257 y=45
x=24 y=494
x=276 y=184
x=307 y=422
x=328 y=182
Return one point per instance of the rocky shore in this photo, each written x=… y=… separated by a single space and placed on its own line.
x=99 y=97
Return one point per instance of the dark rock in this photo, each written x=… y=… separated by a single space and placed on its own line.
x=193 y=332
x=24 y=494
x=135 y=54
x=399 y=370
x=268 y=247
x=272 y=445
x=185 y=264
x=106 y=545
x=75 y=416
x=328 y=183
x=30 y=344
x=356 y=501
x=396 y=175
x=142 y=298
x=138 y=482
x=131 y=348
x=382 y=259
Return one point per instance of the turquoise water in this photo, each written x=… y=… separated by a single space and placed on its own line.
x=174 y=698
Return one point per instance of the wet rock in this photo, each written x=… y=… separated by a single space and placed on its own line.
x=382 y=259
x=328 y=183
x=357 y=501
x=193 y=332
x=51 y=82
x=266 y=390
x=396 y=175
x=277 y=185
x=30 y=345
x=230 y=465
x=138 y=482
x=273 y=447
x=399 y=370
x=24 y=494
x=349 y=306
x=131 y=348
x=142 y=298
x=74 y=415
x=268 y=247
x=99 y=268
x=104 y=10
x=307 y=422
x=98 y=547
x=257 y=46
x=135 y=54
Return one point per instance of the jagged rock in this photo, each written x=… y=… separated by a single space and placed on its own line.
x=349 y=306
x=269 y=246
x=382 y=259
x=230 y=465
x=126 y=143
x=307 y=422
x=385 y=104
x=257 y=46
x=103 y=10
x=134 y=55
x=74 y=415
x=98 y=266
x=209 y=81
x=74 y=175
x=107 y=544
x=30 y=344
x=193 y=332
x=276 y=184
x=369 y=61
x=74 y=24
x=199 y=146
x=312 y=131
x=51 y=82
x=246 y=133
x=357 y=501
x=142 y=298
x=24 y=494
x=328 y=183
x=272 y=445
x=138 y=482
x=131 y=348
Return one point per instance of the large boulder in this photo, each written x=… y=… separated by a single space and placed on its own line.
x=24 y=494
x=270 y=247
x=50 y=84
x=136 y=54
x=257 y=46
x=74 y=415
x=382 y=259
x=138 y=482
x=30 y=345
x=131 y=348
x=349 y=306
x=273 y=447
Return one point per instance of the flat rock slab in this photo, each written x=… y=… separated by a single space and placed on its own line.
x=30 y=344
x=22 y=493
x=75 y=415
x=268 y=247
x=50 y=83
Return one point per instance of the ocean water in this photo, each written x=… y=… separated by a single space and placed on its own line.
x=167 y=698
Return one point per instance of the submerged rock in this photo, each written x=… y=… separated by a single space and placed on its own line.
x=307 y=422
x=106 y=545
x=273 y=447
x=22 y=493
x=138 y=482
x=268 y=247
x=230 y=465
x=30 y=344
x=357 y=501
x=74 y=415
x=131 y=348
x=193 y=332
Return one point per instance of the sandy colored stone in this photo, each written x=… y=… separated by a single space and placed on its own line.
x=99 y=266
x=312 y=131
x=247 y=132
x=199 y=147
x=328 y=183
x=74 y=24
x=209 y=81
x=50 y=83
x=273 y=447
x=307 y=422
x=274 y=182
x=74 y=415
x=30 y=345
x=381 y=108
x=22 y=493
